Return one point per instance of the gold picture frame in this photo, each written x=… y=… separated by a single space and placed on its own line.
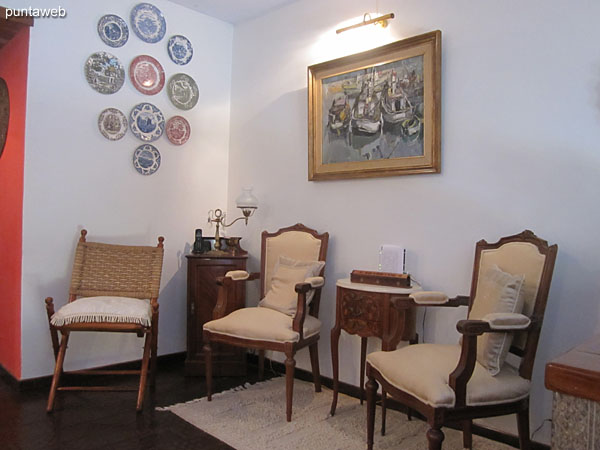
x=376 y=113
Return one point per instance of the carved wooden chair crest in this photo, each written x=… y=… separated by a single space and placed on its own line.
x=286 y=319
x=459 y=383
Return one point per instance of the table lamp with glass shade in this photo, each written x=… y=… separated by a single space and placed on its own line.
x=246 y=201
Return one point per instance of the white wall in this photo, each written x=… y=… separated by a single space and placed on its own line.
x=76 y=178
x=520 y=133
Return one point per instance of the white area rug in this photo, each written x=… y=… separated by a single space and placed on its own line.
x=253 y=418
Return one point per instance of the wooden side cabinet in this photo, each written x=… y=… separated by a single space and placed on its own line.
x=203 y=270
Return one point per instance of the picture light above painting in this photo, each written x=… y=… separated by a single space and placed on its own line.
x=376 y=113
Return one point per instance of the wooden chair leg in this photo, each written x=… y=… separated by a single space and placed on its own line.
x=154 y=352
x=53 y=333
x=383 y=411
x=208 y=364
x=261 y=365
x=435 y=437
x=144 y=372
x=467 y=426
x=363 y=359
x=523 y=427
x=58 y=368
x=290 y=364
x=371 y=400
x=314 y=362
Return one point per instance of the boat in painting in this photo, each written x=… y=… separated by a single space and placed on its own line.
x=339 y=115
x=395 y=103
x=366 y=112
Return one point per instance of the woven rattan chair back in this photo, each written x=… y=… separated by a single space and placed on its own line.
x=116 y=270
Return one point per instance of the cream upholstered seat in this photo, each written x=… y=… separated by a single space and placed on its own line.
x=458 y=383
x=104 y=309
x=262 y=324
x=113 y=288
x=422 y=371
x=285 y=320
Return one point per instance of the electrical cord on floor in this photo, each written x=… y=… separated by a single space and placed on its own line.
x=424 y=312
x=273 y=371
x=540 y=427
x=423 y=326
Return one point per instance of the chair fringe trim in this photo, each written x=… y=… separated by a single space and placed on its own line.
x=98 y=318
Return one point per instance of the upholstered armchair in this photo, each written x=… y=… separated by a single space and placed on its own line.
x=286 y=319
x=458 y=383
x=114 y=288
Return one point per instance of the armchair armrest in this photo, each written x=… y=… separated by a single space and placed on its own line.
x=228 y=285
x=238 y=275
x=311 y=283
x=507 y=321
x=429 y=298
x=470 y=329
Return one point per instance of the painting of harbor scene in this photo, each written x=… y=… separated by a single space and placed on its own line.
x=374 y=113
x=377 y=113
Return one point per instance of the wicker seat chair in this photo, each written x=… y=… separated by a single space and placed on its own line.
x=113 y=288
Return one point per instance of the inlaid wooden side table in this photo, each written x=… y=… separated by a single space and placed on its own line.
x=366 y=310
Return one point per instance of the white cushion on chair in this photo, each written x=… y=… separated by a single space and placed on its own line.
x=104 y=309
x=288 y=272
x=422 y=371
x=262 y=324
x=497 y=292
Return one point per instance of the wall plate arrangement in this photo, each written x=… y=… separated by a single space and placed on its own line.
x=112 y=123
x=146 y=159
x=147 y=122
x=178 y=130
x=180 y=49
x=148 y=22
x=113 y=30
x=104 y=72
x=182 y=91
x=146 y=74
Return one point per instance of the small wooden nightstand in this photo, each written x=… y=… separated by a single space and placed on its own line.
x=366 y=310
x=202 y=289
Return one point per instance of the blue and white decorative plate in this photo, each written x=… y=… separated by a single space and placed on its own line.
x=104 y=72
x=113 y=30
x=146 y=159
x=180 y=49
x=147 y=122
x=148 y=22
x=183 y=91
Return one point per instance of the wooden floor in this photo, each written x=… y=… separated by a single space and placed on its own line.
x=91 y=420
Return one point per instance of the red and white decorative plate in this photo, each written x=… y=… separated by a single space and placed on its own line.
x=147 y=75
x=178 y=130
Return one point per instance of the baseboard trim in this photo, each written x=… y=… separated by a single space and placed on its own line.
x=8 y=377
x=354 y=391
x=45 y=381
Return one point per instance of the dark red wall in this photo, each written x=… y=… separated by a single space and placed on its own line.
x=13 y=68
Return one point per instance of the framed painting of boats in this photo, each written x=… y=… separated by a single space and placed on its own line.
x=376 y=113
